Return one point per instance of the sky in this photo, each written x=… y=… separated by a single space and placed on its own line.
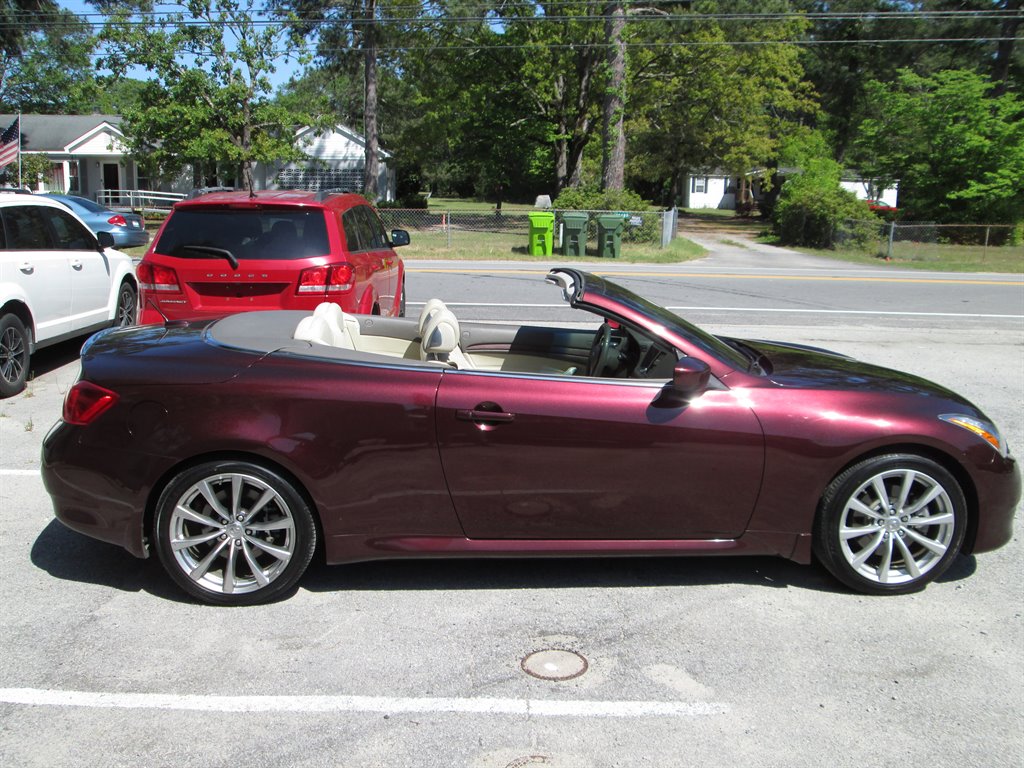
x=285 y=69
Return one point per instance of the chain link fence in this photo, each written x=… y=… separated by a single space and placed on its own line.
x=928 y=241
x=479 y=230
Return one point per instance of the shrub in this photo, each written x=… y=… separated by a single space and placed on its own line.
x=814 y=211
x=593 y=199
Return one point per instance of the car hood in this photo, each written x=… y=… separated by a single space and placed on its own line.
x=792 y=365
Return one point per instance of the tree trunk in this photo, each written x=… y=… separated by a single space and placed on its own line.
x=1004 y=51
x=613 y=156
x=370 y=189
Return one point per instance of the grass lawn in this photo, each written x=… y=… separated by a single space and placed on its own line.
x=497 y=247
x=935 y=257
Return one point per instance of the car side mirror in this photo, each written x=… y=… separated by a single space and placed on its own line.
x=105 y=240
x=399 y=237
x=690 y=379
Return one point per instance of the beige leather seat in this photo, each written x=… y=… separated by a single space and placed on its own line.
x=330 y=326
x=440 y=335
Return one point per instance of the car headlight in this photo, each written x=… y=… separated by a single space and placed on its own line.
x=983 y=429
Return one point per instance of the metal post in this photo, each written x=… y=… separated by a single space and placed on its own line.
x=448 y=228
x=984 y=253
x=892 y=232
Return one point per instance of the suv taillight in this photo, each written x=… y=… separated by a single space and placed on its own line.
x=333 y=278
x=153 y=277
x=85 y=402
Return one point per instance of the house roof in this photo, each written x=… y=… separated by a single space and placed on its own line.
x=55 y=133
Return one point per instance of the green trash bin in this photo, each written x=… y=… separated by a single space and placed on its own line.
x=574 y=233
x=609 y=234
x=542 y=233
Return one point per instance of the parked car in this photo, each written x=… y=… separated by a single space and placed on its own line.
x=128 y=229
x=880 y=206
x=233 y=252
x=58 y=280
x=232 y=446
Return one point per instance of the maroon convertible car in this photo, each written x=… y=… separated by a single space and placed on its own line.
x=236 y=448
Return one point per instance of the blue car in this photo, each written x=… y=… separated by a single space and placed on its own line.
x=128 y=229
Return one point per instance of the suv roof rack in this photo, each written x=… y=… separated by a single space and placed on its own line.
x=15 y=191
x=199 y=191
x=323 y=194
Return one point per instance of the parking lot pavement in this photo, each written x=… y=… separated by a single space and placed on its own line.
x=731 y=661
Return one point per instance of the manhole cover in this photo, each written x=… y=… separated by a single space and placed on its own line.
x=554 y=665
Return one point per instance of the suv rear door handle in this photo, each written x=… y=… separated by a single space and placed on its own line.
x=27 y=268
x=76 y=264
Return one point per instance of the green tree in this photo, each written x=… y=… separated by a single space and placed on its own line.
x=701 y=99
x=53 y=73
x=18 y=19
x=852 y=48
x=208 y=103
x=956 y=149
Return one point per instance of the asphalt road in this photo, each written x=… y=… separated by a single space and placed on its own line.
x=690 y=662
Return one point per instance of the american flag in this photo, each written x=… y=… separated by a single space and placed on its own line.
x=10 y=144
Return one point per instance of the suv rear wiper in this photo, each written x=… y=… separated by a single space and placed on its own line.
x=214 y=251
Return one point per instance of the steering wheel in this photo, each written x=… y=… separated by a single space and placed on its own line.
x=602 y=354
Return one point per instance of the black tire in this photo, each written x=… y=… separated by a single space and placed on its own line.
x=251 y=533
x=401 y=306
x=897 y=544
x=127 y=310
x=14 y=344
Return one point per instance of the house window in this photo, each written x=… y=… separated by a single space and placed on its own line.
x=699 y=184
x=73 y=185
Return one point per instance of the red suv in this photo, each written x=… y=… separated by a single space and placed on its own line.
x=230 y=252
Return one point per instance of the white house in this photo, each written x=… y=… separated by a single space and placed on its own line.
x=866 y=189
x=89 y=159
x=336 y=159
x=87 y=152
x=716 y=189
x=711 y=189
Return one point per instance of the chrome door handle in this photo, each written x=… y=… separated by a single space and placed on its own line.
x=27 y=268
x=76 y=265
x=486 y=417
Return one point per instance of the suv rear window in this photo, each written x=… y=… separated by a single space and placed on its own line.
x=250 y=233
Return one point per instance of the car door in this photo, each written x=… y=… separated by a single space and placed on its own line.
x=387 y=276
x=32 y=261
x=569 y=457
x=89 y=269
x=362 y=256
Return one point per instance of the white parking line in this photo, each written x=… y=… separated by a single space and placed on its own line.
x=385 y=704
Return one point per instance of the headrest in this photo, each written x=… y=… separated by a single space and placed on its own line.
x=441 y=334
x=429 y=308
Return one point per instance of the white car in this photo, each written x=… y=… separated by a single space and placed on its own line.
x=57 y=280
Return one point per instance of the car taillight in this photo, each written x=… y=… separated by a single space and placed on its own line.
x=85 y=402
x=117 y=221
x=333 y=278
x=153 y=277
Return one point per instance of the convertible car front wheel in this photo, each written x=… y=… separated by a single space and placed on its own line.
x=891 y=524
x=233 y=533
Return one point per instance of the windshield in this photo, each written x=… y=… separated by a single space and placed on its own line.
x=279 y=234
x=677 y=325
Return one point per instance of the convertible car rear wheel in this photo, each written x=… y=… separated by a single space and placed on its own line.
x=233 y=533
x=891 y=524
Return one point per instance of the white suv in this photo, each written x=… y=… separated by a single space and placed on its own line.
x=57 y=280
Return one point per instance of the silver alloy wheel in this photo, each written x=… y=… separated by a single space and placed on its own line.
x=232 y=533
x=126 y=306
x=12 y=355
x=897 y=526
